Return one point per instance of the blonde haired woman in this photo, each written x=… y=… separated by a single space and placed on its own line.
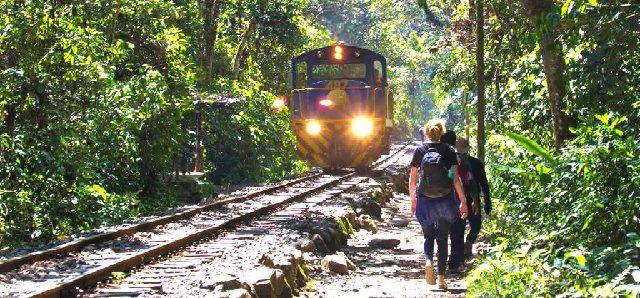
x=433 y=201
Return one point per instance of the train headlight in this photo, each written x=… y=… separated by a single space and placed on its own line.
x=326 y=102
x=362 y=127
x=337 y=53
x=313 y=127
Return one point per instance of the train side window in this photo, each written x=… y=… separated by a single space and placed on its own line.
x=377 y=73
x=301 y=75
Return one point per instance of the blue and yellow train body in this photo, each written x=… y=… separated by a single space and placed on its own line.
x=341 y=106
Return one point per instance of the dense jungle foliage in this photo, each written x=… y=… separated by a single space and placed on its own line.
x=99 y=101
x=568 y=218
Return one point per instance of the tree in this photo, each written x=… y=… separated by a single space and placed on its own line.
x=540 y=13
x=480 y=84
x=210 y=14
x=429 y=15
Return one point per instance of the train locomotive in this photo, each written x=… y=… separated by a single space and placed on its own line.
x=341 y=107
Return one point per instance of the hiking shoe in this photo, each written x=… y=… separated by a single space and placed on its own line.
x=442 y=284
x=430 y=275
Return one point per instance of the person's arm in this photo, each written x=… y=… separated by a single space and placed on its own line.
x=413 y=178
x=457 y=185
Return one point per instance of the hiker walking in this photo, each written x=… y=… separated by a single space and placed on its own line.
x=456 y=233
x=474 y=180
x=433 y=201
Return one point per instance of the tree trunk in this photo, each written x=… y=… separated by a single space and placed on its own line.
x=242 y=47
x=413 y=87
x=430 y=16
x=199 y=136
x=211 y=12
x=554 y=69
x=496 y=80
x=465 y=113
x=9 y=121
x=10 y=118
x=12 y=61
x=148 y=171
x=480 y=110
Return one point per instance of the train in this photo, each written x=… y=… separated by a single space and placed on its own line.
x=341 y=107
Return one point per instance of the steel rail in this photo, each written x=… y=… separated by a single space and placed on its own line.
x=69 y=288
x=93 y=276
x=77 y=245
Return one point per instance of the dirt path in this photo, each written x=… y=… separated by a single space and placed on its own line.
x=397 y=272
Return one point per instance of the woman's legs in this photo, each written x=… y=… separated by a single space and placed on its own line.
x=429 y=232
x=442 y=235
x=456 y=235
x=429 y=236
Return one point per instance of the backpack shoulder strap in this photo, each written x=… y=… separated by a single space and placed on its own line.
x=433 y=149
x=428 y=148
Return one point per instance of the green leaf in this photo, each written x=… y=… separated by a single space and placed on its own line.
x=99 y=191
x=604 y=118
x=509 y=169
x=617 y=120
x=578 y=255
x=566 y=7
x=581 y=259
x=531 y=146
x=542 y=169
x=118 y=275
x=587 y=222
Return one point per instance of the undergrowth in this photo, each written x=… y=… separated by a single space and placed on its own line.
x=566 y=223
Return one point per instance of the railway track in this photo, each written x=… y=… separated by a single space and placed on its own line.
x=67 y=269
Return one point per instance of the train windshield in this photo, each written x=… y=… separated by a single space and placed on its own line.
x=339 y=71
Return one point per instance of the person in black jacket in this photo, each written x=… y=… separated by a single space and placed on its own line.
x=456 y=233
x=449 y=138
x=474 y=179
